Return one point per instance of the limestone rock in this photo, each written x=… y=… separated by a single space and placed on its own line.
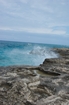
x=47 y=84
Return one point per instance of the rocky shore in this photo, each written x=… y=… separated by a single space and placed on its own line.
x=47 y=84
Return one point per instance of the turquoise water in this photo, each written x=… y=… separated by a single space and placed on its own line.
x=25 y=53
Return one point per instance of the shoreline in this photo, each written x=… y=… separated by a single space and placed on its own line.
x=46 y=84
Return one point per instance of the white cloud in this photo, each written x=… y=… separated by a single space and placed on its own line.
x=35 y=30
x=42 y=14
x=5 y=29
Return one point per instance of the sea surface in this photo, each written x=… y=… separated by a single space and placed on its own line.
x=25 y=53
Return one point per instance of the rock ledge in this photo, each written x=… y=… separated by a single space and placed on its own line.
x=47 y=84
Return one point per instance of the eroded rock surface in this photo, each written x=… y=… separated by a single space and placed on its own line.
x=47 y=84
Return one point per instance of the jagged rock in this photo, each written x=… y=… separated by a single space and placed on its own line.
x=47 y=84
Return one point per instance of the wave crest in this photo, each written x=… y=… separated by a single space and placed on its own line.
x=42 y=51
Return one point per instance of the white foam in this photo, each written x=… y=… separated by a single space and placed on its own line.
x=41 y=53
x=30 y=56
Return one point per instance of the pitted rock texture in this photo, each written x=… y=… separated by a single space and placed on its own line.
x=26 y=85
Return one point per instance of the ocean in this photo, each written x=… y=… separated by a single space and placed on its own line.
x=25 y=53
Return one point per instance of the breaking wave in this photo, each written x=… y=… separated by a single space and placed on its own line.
x=42 y=51
x=24 y=54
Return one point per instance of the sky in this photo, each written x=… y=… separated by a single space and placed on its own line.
x=41 y=21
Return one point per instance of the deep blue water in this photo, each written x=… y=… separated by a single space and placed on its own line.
x=25 y=53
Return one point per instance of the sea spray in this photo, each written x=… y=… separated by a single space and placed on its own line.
x=22 y=53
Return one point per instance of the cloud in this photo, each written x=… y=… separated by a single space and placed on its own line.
x=35 y=30
x=5 y=29
x=42 y=15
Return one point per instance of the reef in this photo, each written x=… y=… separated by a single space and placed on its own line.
x=46 y=84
